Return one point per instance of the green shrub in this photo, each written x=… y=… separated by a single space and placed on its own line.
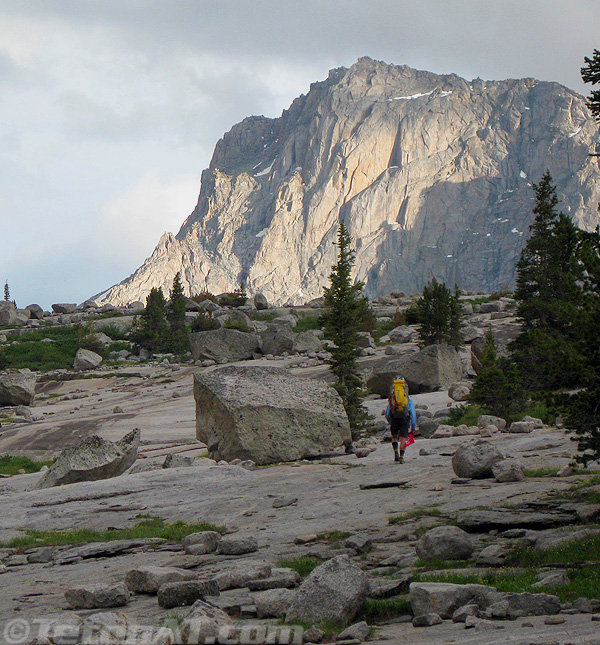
x=464 y=415
x=307 y=323
x=237 y=298
x=204 y=321
x=412 y=315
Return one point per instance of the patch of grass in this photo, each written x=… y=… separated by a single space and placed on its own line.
x=551 y=471
x=585 y=491
x=27 y=350
x=262 y=316
x=12 y=465
x=335 y=537
x=239 y=327
x=307 y=323
x=148 y=528
x=437 y=563
x=303 y=565
x=173 y=619
x=584 y=581
x=378 y=609
x=502 y=580
x=417 y=513
x=569 y=552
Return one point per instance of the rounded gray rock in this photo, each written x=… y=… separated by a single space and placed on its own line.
x=476 y=459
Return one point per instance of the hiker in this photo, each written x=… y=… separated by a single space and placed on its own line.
x=401 y=415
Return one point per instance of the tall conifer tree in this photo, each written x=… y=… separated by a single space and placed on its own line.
x=342 y=321
x=547 y=294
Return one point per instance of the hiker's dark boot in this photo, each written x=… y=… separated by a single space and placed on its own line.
x=397 y=457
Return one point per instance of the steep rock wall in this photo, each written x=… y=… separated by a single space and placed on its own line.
x=432 y=175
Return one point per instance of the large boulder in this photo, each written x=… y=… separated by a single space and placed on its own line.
x=260 y=301
x=334 y=591
x=206 y=624
x=85 y=359
x=64 y=308
x=267 y=415
x=149 y=579
x=97 y=596
x=224 y=344
x=17 y=388
x=444 y=598
x=445 y=542
x=8 y=313
x=431 y=369
x=277 y=339
x=476 y=459
x=306 y=342
x=91 y=459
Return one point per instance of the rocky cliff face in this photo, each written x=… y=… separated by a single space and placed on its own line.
x=432 y=175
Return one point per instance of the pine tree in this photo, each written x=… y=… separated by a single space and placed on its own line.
x=583 y=408
x=591 y=74
x=497 y=388
x=178 y=338
x=547 y=293
x=6 y=292
x=440 y=315
x=344 y=303
x=151 y=330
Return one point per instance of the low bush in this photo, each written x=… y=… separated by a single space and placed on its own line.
x=204 y=321
x=307 y=323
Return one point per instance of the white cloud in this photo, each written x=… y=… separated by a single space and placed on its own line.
x=130 y=225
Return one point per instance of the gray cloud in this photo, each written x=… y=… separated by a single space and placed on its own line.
x=99 y=95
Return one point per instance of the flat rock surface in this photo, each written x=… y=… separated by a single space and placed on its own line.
x=331 y=494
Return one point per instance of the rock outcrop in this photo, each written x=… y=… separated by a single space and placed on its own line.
x=267 y=415
x=428 y=370
x=17 y=388
x=431 y=172
x=92 y=459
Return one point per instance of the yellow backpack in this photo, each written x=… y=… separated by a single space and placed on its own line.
x=399 y=399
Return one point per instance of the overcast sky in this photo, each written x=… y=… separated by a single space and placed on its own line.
x=110 y=109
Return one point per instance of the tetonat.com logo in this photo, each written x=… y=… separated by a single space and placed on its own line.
x=194 y=632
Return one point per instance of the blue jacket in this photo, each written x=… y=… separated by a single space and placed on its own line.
x=411 y=411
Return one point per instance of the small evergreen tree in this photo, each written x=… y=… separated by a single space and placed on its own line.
x=440 y=315
x=341 y=322
x=6 y=292
x=497 y=388
x=178 y=338
x=151 y=330
x=547 y=294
